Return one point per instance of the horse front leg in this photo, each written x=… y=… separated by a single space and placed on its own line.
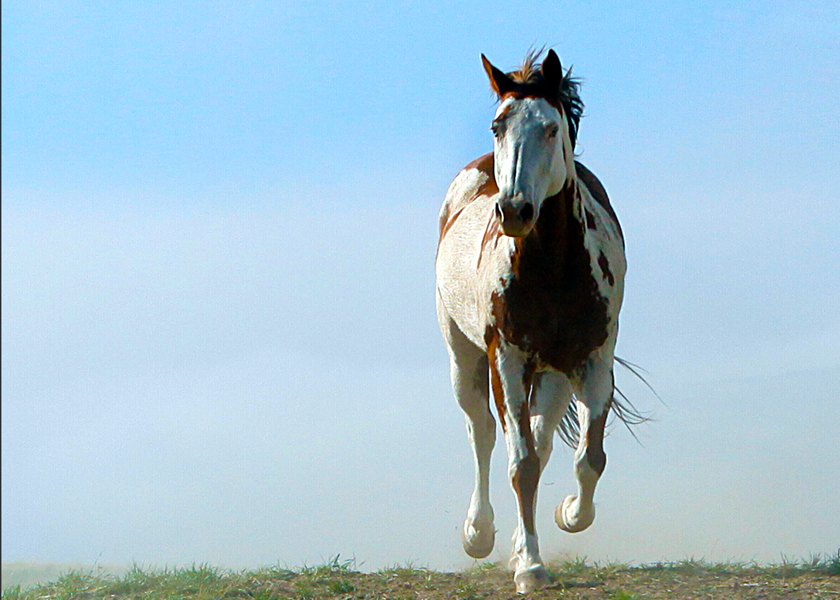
x=470 y=382
x=595 y=394
x=512 y=378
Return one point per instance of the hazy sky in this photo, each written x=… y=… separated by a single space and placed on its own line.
x=219 y=223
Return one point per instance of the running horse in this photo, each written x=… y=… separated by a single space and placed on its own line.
x=530 y=278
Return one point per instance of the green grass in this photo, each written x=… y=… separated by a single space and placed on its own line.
x=816 y=565
x=339 y=579
x=622 y=595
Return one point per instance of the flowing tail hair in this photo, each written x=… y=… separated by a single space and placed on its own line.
x=623 y=409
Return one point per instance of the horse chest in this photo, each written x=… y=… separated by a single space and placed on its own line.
x=550 y=307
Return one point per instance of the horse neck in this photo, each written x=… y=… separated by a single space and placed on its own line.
x=559 y=228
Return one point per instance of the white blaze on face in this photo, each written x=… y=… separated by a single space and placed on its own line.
x=532 y=153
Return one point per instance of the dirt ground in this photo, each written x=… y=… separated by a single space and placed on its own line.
x=576 y=581
x=340 y=581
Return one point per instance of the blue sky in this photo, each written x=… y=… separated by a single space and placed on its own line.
x=219 y=223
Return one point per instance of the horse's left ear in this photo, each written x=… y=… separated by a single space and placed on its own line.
x=552 y=70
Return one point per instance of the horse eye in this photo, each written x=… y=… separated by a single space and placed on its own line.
x=552 y=133
x=495 y=129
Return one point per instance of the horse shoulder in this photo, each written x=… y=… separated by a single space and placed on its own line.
x=473 y=181
x=462 y=281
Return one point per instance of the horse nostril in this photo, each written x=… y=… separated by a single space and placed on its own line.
x=527 y=213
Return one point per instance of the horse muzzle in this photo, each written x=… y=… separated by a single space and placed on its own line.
x=516 y=216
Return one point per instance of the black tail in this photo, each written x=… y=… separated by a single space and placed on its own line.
x=623 y=409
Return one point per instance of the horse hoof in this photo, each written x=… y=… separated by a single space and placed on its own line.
x=531 y=579
x=570 y=516
x=478 y=543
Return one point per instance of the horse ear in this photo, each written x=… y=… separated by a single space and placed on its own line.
x=500 y=82
x=552 y=70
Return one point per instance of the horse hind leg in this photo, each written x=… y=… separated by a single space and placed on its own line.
x=470 y=381
x=577 y=511
x=550 y=397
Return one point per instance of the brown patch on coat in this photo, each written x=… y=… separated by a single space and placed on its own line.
x=491 y=338
x=527 y=475
x=492 y=234
x=595 y=455
x=605 y=268
x=590 y=221
x=485 y=164
x=551 y=306
x=442 y=223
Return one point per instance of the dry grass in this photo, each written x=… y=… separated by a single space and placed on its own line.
x=818 y=578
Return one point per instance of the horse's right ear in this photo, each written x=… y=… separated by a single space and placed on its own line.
x=500 y=82
x=552 y=70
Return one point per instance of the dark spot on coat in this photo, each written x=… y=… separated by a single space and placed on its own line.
x=605 y=268
x=590 y=221
x=595 y=455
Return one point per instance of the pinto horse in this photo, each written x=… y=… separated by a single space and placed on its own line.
x=530 y=278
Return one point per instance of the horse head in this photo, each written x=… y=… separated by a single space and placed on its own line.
x=534 y=138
